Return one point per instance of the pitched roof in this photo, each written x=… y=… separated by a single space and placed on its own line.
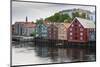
x=86 y=23
x=29 y=25
x=67 y=24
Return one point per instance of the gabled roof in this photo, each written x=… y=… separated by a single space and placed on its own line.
x=29 y=25
x=86 y=23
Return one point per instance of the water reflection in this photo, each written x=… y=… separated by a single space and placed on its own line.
x=45 y=54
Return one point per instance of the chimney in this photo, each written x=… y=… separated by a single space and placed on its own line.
x=26 y=19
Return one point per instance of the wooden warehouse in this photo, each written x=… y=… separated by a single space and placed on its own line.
x=52 y=32
x=81 y=30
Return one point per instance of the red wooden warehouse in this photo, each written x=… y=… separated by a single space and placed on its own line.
x=81 y=30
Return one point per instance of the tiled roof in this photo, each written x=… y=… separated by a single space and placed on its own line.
x=29 y=25
x=86 y=23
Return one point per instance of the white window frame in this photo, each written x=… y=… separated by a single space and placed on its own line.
x=81 y=29
x=71 y=38
x=81 y=33
x=70 y=29
x=71 y=33
x=81 y=38
x=72 y=25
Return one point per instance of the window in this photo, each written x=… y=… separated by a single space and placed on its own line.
x=72 y=25
x=54 y=29
x=70 y=33
x=76 y=25
x=81 y=29
x=75 y=38
x=91 y=18
x=62 y=36
x=49 y=29
x=79 y=25
x=49 y=32
x=75 y=29
x=70 y=29
x=81 y=38
x=75 y=34
x=54 y=33
x=81 y=33
x=70 y=37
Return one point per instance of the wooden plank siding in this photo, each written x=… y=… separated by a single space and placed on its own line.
x=52 y=32
x=78 y=33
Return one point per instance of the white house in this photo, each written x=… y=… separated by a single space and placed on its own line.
x=89 y=15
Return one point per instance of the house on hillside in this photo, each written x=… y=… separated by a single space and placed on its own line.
x=88 y=14
x=81 y=30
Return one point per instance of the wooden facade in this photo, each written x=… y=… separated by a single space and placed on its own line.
x=79 y=29
x=62 y=28
x=41 y=30
x=52 y=32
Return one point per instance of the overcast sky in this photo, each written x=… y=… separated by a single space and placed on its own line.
x=39 y=10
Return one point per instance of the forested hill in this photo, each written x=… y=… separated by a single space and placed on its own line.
x=58 y=17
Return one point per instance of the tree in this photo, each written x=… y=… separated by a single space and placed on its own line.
x=33 y=33
x=57 y=17
x=78 y=14
x=39 y=21
x=66 y=21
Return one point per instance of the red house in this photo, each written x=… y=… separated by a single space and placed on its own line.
x=80 y=29
x=52 y=32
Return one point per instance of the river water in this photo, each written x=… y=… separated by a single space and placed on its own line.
x=24 y=53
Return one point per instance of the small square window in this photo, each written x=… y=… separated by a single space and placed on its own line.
x=75 y=34
x=81 y=38
x=75 y=29
x=79 y=25
x=70 y=33
x=81 y=29
x=72 y=25
x=70 y=29
x=81 y=33
x=70 y=37
x=76 y=25
x=76 y=38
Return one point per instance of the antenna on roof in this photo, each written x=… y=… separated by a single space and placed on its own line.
x=26 y=19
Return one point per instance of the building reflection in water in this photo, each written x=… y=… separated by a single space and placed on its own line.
x=56 y=54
